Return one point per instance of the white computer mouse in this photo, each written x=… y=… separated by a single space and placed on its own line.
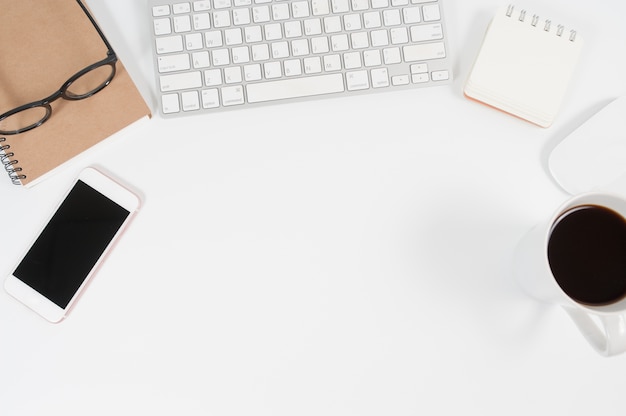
x=594 y=155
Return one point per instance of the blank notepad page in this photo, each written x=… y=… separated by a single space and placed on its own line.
x=525 y=65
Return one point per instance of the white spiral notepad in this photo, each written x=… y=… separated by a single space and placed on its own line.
x=525 y=65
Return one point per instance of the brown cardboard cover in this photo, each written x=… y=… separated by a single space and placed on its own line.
x=42 y=44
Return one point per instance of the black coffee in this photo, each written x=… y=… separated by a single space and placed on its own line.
x=587 y=254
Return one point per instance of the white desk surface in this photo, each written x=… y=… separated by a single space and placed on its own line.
x=347 y=256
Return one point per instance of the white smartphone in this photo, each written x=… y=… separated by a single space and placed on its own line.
x=70 y=247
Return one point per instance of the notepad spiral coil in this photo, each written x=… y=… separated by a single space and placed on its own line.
x=547 y=23
x=10 y=164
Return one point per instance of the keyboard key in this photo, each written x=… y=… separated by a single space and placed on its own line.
x=339 y=43
x=296 y=87
x=391 y=17
x=419 y=68
x=253 y=34
x=380 y=77
x=313 y=27
x=173 y=63
x=380 y=4
x=399 y=35
x=340 y=6
x=391 y=56
x=357 y=80
x=193 y=41
x=352 y=21
x=232 y=75
x=400 y=80
x=212 y=77
x=162 y=26
x=292 y=67
x=431 y=12
x=359 y=5
x=233 y=37
x=170 y=104
x=261 y=14
x=241 y=55
x=379 y=38
x=280 y=11
x=300 y=9
x=320 y=7
x=182 y=81
x=190 y=100
x=332 y=63
x=360 y=40
x=300 y=47
x=232 y=95
x=371 y=20
x=319 y=45
x=352 y=60
x=201 y=21
x=423 y=52
x=179 y=8
x=260 y=52
x=411 y=15
x=169 y=44
x=280 y=50
x=440 y=75
x=221 y=18
x=158 y=11
x=210 y=98
x=272 y=70
x=241 y=17
x=273 y=31
x=423 y=33
x=372 y=58
x=182 y=24
x=222 y=4
x=420 y=78
x=252 y=72
x=312 y=65
x=213 y=39
x=293 y=29
x=220 y=57
x=201 y=5
x=332 y=24
x=200 y=59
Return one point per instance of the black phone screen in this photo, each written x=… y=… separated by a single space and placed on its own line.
x=71 y=243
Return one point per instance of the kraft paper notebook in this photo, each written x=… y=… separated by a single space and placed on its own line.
x=42 y=44
x=525 y=65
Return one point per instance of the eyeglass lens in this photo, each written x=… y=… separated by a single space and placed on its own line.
x=82 y=87
x=25 y=119
x=90 y=82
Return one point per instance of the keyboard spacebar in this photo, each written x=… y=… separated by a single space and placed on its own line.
x=293 y=88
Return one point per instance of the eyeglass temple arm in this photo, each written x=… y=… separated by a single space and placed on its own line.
x=95 y=25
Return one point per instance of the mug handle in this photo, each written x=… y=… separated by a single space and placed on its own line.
x=609 y=338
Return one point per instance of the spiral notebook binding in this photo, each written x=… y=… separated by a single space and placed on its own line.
x=535 y=21
x=9 y=165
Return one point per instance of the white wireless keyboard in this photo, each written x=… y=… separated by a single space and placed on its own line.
x=225 y=54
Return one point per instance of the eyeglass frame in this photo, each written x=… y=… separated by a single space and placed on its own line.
x=111 y=60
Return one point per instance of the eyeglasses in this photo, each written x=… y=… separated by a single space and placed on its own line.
x=83 y=84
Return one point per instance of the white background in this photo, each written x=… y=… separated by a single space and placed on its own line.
x=348 y=256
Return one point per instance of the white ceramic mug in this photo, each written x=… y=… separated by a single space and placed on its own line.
x=603 y=325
